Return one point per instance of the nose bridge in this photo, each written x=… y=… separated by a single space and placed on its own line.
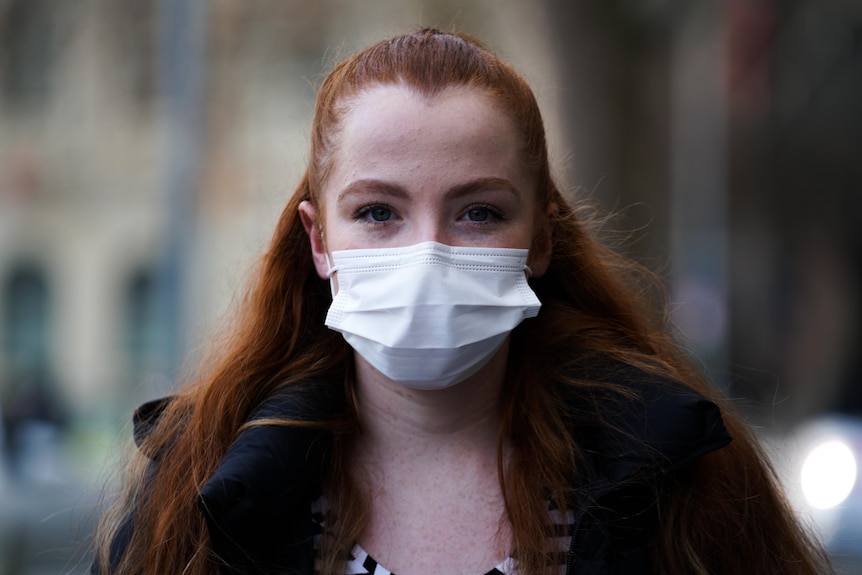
x=430 y=226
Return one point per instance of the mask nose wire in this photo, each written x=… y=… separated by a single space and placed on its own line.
x=331 y=269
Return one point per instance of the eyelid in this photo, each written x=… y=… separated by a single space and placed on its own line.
x=361 y=213
x=496 y=213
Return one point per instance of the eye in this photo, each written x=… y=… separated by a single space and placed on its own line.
x=374 y=213
x=380 y=214
x=482 y=214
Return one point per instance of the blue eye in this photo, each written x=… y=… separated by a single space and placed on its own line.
x=482 y=214
x=380 y=213
x=374 y=213
x=478 y=214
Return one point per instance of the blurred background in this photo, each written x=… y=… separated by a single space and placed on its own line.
x=147 y=147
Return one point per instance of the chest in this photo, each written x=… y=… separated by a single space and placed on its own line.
x=406 y=547
x=448 y=521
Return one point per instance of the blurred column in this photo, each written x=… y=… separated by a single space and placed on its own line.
x=181 y=71
x=698 y=152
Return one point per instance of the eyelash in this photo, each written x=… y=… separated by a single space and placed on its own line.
x=494 y=214
x=364 y=212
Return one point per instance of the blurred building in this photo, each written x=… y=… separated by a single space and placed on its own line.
x=146 y=149
x=729 y=135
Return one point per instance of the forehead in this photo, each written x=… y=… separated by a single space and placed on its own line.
x=395 y=128
x=400 y=100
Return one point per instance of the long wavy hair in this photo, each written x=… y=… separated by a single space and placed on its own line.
x=598 y=306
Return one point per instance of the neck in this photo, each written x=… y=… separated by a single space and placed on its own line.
x=392 y=414
x=427 y=462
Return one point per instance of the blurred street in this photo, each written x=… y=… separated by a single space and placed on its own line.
x=46 y=516
x=147 y=148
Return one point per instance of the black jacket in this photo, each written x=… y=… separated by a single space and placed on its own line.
x=257 y=505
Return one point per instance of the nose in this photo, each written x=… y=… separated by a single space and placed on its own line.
x=430 y=228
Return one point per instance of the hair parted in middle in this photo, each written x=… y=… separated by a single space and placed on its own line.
x=597 y=307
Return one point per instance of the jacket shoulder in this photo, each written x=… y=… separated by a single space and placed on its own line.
x=630 y=422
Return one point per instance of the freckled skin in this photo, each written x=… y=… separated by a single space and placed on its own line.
x=426 y=147
x=427 y=460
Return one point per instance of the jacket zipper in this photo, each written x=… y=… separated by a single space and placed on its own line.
x=570 y=556
x=576 y=525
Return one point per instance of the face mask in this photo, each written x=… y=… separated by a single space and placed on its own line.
x=429 y=316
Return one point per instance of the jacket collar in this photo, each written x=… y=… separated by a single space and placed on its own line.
x=658 y=429
x=257 y=505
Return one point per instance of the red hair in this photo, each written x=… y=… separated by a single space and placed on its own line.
x=729 y=517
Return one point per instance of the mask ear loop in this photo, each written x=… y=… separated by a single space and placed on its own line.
x=330 y=270
x=528 y=271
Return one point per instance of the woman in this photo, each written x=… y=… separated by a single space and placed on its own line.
x=438 y=370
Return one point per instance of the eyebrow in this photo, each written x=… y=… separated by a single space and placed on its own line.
x=482 y=185
x=372 y=186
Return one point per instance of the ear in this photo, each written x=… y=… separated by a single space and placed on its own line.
x=540 y=251
x=308 y=215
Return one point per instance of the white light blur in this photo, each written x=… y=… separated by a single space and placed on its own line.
x=828 y=474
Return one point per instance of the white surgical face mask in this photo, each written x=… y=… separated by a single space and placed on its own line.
x=429 y=315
